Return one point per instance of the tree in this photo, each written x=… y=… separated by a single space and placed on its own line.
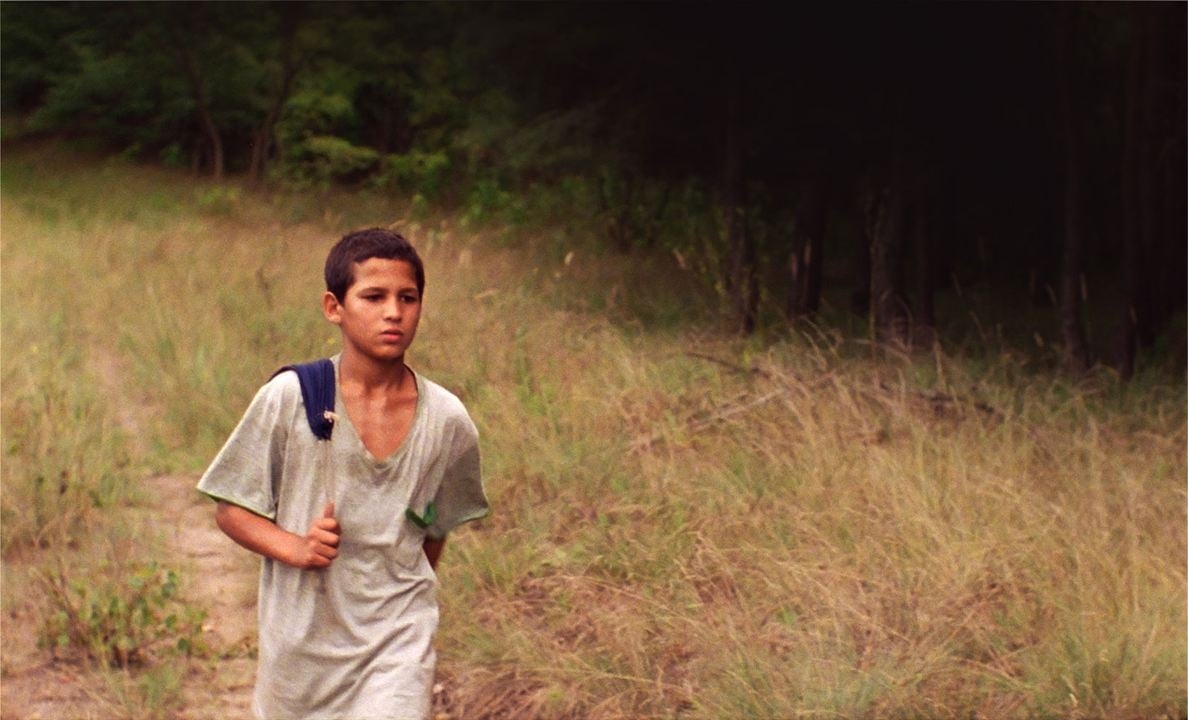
x=807 y=257
x=1150 y=130
x=290 y=59
x=884 y=231
x=742 y=281
x=1076 y=354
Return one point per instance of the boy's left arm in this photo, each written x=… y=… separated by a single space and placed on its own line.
x=433 y=548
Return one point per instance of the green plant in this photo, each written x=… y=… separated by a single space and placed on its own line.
x=322 y=158
x=146 y=693
x=120 y=618
x=218 y=200
x=172 y=156
x=416 y=172
x=488 y=201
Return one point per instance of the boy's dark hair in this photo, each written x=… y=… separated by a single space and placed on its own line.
x=355 y=247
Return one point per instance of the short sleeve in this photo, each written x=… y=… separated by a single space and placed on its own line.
x=246 y=470
x=460 y=497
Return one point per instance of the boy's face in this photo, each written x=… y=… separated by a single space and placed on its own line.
x=379 y=314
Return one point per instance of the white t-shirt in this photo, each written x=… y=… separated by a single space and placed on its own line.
x=354 y=640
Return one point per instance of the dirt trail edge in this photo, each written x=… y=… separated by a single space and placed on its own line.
x=220 y=577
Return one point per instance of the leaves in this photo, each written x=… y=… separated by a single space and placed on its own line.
x=120 y=623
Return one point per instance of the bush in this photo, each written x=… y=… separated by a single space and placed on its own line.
x=488 y=202
x=323 y=158
x=172 y=156
x=218 y=200
x=416 y=172
x=119 y=623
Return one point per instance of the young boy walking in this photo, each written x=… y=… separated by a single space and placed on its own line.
x=351 y=528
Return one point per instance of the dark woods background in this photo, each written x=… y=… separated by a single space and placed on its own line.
x=881 y=160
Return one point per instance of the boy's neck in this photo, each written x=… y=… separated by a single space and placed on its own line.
x=370 y=374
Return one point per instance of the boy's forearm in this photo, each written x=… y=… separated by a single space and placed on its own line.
x=258 y=534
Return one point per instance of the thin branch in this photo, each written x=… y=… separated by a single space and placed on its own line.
x=695 y=426
x=752 y=370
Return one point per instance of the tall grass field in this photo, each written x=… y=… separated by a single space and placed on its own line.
x=685 y=524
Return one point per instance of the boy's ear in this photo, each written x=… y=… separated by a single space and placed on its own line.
x=330 y=308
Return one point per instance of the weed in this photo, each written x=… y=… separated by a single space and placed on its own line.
x=218 y=200
x=119 y=618
x=153 y=692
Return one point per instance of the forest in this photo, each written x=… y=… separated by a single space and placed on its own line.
x=858 y=165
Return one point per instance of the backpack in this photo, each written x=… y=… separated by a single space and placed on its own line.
x=317 y=391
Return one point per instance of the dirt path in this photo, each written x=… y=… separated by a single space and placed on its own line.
x=32 y=685
x=217 y=576
x=221 y=578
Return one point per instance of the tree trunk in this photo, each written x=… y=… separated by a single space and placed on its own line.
x=214 y=141
x=860 y=296
x=261 y=140
x=210 y=131
x=1124 y=342
x=1076 y=355
x=884 y=217
x=1170 y=174
x=804 y=263
x=743 y=279
x=922 y=231
x=1138 y=321
x=264 y=132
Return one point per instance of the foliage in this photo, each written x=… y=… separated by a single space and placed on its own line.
x=488 y=201
x=323 y=158
x=468 y=105
x=218 y=200
x=120 y=618
x=415 y=172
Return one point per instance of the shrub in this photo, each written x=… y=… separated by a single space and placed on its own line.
x=322 y=158
x=488 y=202
x=120 y=623
x=416 y=172
x=218 y=200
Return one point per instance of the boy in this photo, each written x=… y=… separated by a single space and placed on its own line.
x=347 y=599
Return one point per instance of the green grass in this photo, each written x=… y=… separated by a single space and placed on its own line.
x=685 y=524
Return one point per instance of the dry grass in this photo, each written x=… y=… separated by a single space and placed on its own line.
x=685 y=525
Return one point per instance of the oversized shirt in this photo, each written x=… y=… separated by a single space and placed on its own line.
x=354 y=640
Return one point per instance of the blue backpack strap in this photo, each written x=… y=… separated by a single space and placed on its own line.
x=317 y=391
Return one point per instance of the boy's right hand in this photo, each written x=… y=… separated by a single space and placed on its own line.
x=320 y=544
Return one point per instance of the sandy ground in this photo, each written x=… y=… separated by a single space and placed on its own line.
x=222 y=579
